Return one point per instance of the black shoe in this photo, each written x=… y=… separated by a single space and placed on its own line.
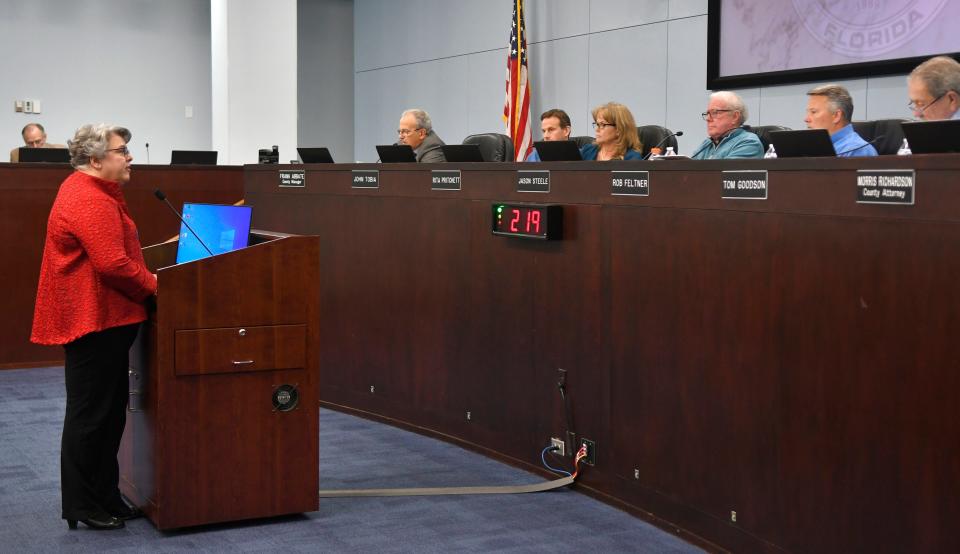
x=100 y=523
x=128 y=513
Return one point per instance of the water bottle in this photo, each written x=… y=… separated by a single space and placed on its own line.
x=670 y=152
x=904 y=149
x=771 y=152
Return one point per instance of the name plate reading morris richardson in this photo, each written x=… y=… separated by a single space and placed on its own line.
x=533 y=181
x=294 y=178
x=744 y=185
x=634 y=183
x=885 y=186
x=445 y=179
x=366 y=179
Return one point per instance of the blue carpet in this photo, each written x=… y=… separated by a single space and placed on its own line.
x=354 y=453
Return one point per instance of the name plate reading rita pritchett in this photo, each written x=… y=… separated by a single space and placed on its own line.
x=633 y=183
x=445 y=179
x=533 y=181
x=744 y=185
x=366 y=179
x=295 y=178
x=885 y=186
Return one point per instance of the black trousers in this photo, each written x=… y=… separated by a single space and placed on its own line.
x=97 y=390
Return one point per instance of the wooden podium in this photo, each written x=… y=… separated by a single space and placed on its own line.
x=222 y=419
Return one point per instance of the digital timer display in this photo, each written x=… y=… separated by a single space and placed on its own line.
x=528 y=221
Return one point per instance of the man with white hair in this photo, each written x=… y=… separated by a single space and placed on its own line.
x=727 y=139
x=416 y=130
x=934 y=89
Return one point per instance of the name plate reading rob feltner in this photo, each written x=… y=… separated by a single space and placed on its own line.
x=744 y=185
x=533 y=181
x=885 y=186
x=634 y=183
x=445 y=179
x=366 y=179
x=293 y=178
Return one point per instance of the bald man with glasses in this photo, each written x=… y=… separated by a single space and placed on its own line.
x=416 y=130
x=34 y=136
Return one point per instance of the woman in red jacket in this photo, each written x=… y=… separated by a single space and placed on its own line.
x=93 y=285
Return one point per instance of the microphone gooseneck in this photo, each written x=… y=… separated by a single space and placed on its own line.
x=163 y=198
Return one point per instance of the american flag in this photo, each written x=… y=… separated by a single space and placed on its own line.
x=516 y=108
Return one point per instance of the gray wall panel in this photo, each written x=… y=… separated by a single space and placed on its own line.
x=553 y=19
x=617 y=14
x=687 y=8
x=686 y=80
x=484 y=99
x=559 y=79
x=325 y=81
x=886 y=99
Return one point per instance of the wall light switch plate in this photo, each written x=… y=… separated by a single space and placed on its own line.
x=18 y=106
x=36 y=106
x=188 y=112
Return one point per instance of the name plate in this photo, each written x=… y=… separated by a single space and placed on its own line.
x=366 y=179
x=293 y=178
x=533 y=181
x=445 y=179
x=885 y=186
x=632 y=183
x=744 y=185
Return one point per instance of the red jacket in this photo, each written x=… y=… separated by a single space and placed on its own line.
x=93 y=276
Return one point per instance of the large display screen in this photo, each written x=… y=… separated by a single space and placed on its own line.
x=762 y=42
x=222 y=229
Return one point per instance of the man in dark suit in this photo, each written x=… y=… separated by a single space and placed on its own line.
x=416 y=130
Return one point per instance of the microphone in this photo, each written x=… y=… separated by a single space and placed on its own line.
x=161 y=196
x=148 y=156
x=870 y=142
x=662 y=142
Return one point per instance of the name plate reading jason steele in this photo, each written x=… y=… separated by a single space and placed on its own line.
x=533 y=181
x=366 y=179
x=295 y=178
x=632 y=183
x=885 y=186
x=744 y=185
x=445 y=179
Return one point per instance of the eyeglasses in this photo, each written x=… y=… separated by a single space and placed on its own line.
x=600 y=125
x=920 y=109
x=713 y=114
x=122 y=150
x=405 y=132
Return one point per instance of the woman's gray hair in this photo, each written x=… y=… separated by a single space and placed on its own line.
x=733 y=102
x=422 y=117
x=91 y=141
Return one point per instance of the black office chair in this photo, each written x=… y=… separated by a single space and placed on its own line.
x=763 y=131
x=493 y=146
x=652 y=135
x=582 y=141
x=885 y=135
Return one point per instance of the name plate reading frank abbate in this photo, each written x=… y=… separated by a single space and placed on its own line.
x=445 y=179
x=885 y=186
x=744 y=185
x=533 y=181
x=366 y=179
x=293 y=178
x=632 y=183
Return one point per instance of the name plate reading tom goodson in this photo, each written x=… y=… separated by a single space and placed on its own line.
x=533 y=181
x=366 y=179
x=445 y=179
x=885 y=186
x=633 y=183
x=744 y=185
x=293 y=178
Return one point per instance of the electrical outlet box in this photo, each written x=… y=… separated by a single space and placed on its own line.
x=36 y=106
x=591 y=457
x=28 y=106
x=18 y=106
x=561 y=449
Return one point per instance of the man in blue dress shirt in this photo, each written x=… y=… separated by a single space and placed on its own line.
x=830 y=107
x=555 y=125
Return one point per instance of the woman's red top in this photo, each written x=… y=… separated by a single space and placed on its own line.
x=93 y=276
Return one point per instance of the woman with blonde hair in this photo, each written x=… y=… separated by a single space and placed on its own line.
x=615 y=135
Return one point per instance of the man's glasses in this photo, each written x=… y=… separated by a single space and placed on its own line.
x=917 y=109
x=405 y=132
x=122 y=150
x=713 y=114
x=600 y=125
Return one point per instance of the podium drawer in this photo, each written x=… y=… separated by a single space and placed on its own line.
x=240 y=349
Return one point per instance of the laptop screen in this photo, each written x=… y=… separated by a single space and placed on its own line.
x=222 y=229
